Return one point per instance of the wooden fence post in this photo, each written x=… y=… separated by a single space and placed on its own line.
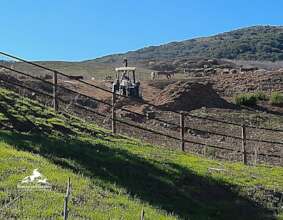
x=204 y=150
x=66 y=199
x=244 y=143
x=65 y=208
x=182 y=131
x=255 y=154
x=281 y=157
x=113 y=113
x=55 y=98
x=142 y=214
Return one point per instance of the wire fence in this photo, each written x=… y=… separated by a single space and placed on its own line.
x=15 y=205
x=246 y=147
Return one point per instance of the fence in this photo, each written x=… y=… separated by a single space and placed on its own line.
x=15 y=202
x=246 y=154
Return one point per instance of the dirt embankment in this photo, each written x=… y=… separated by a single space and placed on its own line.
x=187 y=96
x=261 y=80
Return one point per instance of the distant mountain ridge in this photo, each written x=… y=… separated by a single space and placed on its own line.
x=258 y=43
x=252 y=43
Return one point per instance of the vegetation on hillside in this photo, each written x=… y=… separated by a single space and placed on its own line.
x=114 y=177
x=253 y=43
x=250 y=99
x=276 y=98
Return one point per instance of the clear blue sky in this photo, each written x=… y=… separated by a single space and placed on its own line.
x=86 y=29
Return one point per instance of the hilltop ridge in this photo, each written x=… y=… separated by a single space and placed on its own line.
x=251 y=43
x=258 y=43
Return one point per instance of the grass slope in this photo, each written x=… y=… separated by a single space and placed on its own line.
x=114 y=177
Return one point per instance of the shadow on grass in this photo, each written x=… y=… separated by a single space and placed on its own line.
x=168 y=186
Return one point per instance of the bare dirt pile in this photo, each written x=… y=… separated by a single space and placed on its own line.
x=187 y=96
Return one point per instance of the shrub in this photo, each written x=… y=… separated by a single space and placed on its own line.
x=276 y=98
x=246 y=99
x=261 y=96
x=250 y=99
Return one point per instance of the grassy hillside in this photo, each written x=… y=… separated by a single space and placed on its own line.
x=114 y=177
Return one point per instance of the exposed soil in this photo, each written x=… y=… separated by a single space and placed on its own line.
x=230 y=84
x=187 y=96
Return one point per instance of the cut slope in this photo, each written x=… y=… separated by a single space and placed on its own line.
x=114 y=177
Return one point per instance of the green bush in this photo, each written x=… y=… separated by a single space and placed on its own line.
x=276 y=98
x=246 y=99
x=250 y=99
x=260 y=96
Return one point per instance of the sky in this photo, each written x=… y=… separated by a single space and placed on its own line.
x=75 y=30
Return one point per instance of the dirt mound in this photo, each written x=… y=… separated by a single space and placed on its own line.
x=187 y=96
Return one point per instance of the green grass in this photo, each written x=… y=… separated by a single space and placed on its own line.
x=276 y=98
x=114 y=177
x=250 y=99
x=261 y=96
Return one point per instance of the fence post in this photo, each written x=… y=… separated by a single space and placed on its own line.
x=142 y=214
x=182 y=130
x=55 y=98
x=66 y=199
x=65 y=208
x=244 y=143
x=255 y=155
x=113 y=113
x=281 y=157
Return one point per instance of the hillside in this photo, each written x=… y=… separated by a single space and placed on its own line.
x=259 y=43
x=114 y=177
x=254 y=43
